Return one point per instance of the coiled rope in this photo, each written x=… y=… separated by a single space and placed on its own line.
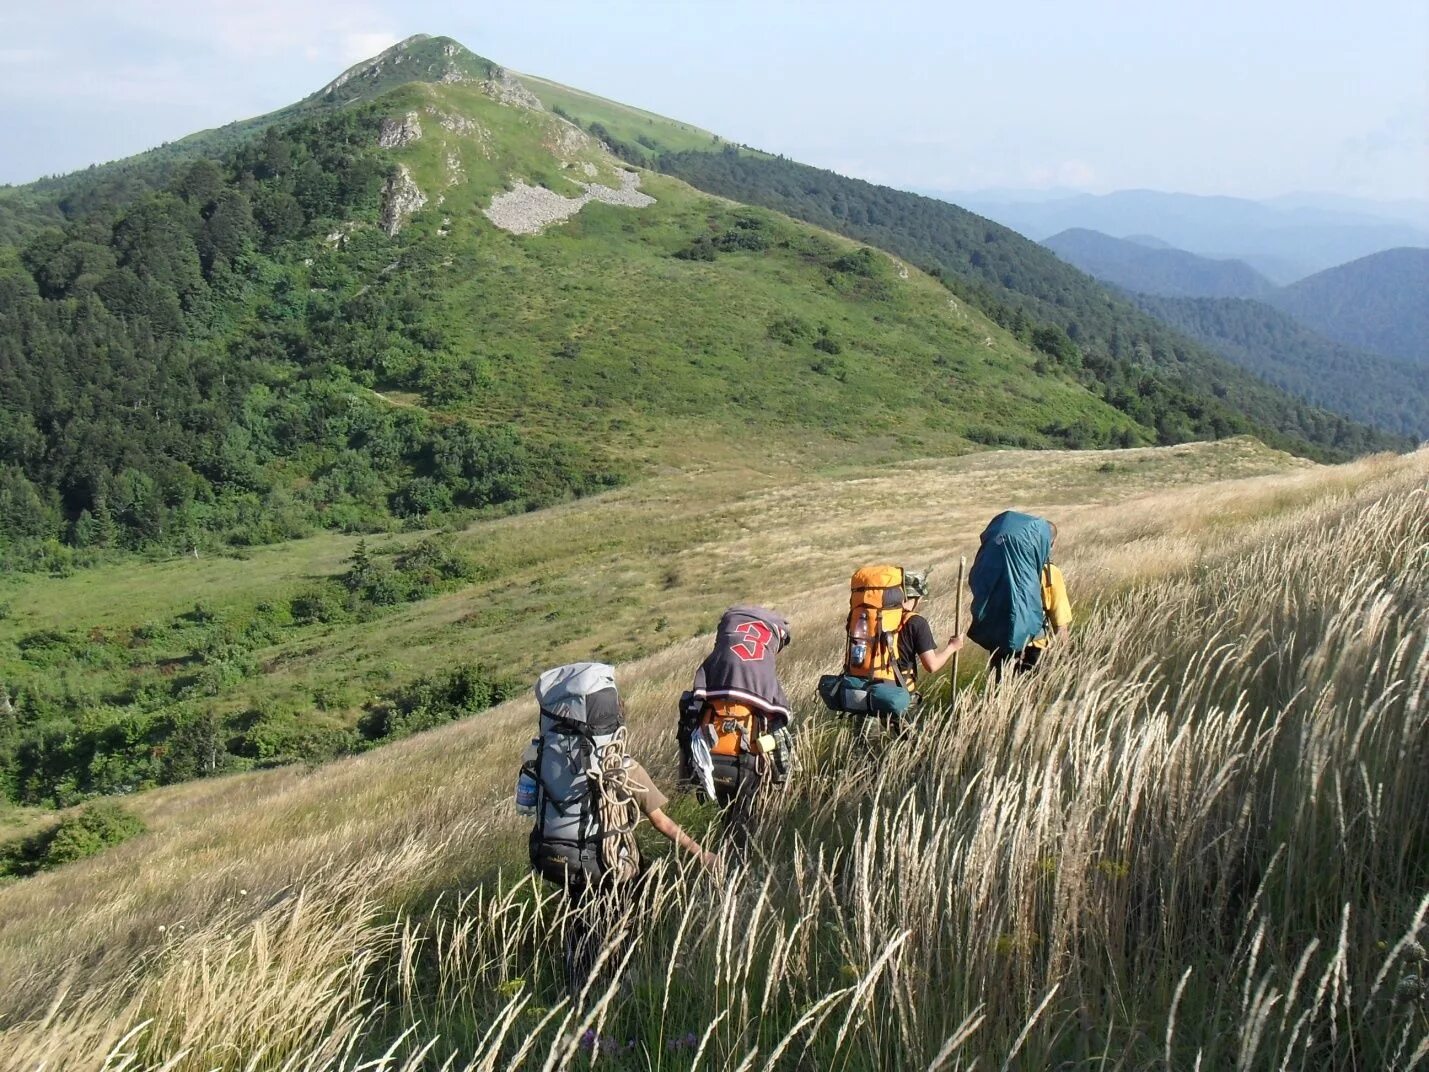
x=617 y=808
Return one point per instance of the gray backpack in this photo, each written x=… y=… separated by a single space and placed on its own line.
x=581 y=728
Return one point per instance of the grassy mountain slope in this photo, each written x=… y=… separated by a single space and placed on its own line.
x=1171 y=273
x=261 y=292
x=118 y=673
x=250 y=357
x=1178 y=392
x=1156 y=795
x=1388 y=394
x=1133 y=361
x=1378 y=303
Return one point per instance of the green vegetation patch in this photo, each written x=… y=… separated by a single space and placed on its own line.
x=82 y=833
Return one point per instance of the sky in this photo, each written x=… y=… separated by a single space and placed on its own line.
x=1251 y=99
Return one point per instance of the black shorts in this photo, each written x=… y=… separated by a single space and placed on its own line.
x=1021 y=661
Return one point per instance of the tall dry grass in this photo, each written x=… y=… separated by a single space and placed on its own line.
x=1196 y=839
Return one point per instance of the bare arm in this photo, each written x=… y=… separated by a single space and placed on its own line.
x=672 y=830
x=933 y=661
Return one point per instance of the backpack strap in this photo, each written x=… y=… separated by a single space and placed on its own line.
x=912 y=659
x=893 y=659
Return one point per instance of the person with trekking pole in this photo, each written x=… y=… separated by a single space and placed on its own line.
x=888 y=643
x=1019 y=597
x=587 y=795
x=917 y=650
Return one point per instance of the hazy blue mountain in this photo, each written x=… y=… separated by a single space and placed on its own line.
x=1284 y=241
x=1415 y=212
x=1148 y=270
x=1379 y=303
x=1390 y=394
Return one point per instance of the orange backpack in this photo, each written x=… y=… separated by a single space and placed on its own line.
x=736 y=729
x=875 y=615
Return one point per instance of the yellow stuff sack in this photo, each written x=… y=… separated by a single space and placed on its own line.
x=874 y=617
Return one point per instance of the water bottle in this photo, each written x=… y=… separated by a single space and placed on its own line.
x=526 y=784
x=858 y=642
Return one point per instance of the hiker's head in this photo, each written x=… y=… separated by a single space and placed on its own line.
x=915 y=587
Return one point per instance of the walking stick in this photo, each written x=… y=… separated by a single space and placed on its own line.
x=958 y=623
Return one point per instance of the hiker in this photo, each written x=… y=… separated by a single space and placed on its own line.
x=734 y=721
x=587 y=796
x=888 y=643
x=917 y=650
x=1019 y=598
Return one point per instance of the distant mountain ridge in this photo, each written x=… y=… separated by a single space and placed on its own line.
x=1134 y=265
x=1284 y=241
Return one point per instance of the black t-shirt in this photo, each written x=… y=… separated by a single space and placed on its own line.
x=914 y=638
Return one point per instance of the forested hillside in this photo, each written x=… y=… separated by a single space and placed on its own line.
x=171 y=372
x=1388 y=394
x=1378 y=303
x=1138 y=365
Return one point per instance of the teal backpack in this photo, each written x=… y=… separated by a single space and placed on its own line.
x=1006 y=581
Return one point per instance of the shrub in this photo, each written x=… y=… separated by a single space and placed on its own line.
x=432 y=701
x=323 y=602
x=790 y=330
x=860 y=262
x=86 y=832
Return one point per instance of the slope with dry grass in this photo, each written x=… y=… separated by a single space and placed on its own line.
x=1195 y=840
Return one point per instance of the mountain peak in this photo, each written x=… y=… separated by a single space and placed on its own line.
x=419 y=58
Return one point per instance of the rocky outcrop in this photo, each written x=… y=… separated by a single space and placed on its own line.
x=456 y=123
x=571 y=139
x=531 y=209
x=508 y=89
x=399 y=133
x=400 y=198
x=455 y=172
x=460 y=124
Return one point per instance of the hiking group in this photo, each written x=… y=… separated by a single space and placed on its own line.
x=587 y=794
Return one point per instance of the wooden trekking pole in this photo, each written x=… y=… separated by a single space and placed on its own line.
x=958 y=622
